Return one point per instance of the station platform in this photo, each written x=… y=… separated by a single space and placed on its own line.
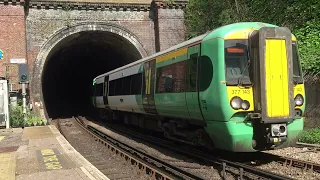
x=42 y=153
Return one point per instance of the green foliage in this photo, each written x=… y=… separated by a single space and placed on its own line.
x=17 y=119
x=16 y=116
x=309 y=45
x=302 y=17
x=310 y=136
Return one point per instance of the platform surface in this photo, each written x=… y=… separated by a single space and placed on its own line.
x=42 y=153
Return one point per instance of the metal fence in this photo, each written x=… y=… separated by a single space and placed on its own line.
x=312 y=90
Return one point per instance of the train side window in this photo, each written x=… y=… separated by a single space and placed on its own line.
x=192 y=73
x=126 y=85
x=171 y=78
x=112 y=85
x=118 y=87
x=296 y=63
x=205 y=72
x=136 y=84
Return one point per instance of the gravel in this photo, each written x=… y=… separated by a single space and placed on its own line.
x=292 y=172
x=305 y=154
x=113 y=166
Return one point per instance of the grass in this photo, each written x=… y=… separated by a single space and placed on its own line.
x=311 y=136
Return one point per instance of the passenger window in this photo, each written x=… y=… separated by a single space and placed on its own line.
x=126 y=85
x=171 y=78
x=118 y=89
x=136 y=84
x=111 y=88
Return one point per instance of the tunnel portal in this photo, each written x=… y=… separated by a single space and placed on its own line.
x=73 y=63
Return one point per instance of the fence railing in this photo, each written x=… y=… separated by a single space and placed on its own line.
x=312 y=91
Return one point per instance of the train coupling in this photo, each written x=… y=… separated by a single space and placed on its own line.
x=278 y=134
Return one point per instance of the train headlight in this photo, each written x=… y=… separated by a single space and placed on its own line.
x=245 y=105
x=298 y=100
x=236 y=102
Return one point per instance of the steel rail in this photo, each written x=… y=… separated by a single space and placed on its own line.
x=287 y=161
x=143 y=161
x=243 y=169
x=300 y=144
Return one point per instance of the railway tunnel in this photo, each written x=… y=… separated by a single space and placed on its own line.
x=73 y=63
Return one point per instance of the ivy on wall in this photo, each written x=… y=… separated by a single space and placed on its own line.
x=301 y=16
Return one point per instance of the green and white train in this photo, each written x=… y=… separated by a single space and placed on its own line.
x=238 y=88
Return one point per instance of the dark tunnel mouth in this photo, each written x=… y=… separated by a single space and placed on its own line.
x=73 y=63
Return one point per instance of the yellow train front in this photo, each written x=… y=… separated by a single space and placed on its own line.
x=262 y=99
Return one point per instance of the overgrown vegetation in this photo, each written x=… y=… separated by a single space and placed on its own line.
x=310 y=136
x=302 y=17
x=17 y=119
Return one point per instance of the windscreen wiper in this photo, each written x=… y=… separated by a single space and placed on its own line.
x=240 y=83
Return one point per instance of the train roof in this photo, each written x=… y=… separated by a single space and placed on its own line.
x=221 y=32
x=178 y=46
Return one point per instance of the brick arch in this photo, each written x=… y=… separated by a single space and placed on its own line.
x=48 y=49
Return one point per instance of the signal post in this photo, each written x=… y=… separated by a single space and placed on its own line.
x=23 y=80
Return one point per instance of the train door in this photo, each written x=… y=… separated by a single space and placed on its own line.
x=148 y=91
x=106 y=90
x=192 y=93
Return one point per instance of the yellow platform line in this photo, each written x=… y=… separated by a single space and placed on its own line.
x=7 y=166
x=2 y=137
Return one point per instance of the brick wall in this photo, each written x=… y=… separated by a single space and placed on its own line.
x=12 y=39
x=41 y=24
x=23 y=37
x=170 y=27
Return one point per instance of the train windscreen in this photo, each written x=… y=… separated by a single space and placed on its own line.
x=237 y=62
x=297 y=75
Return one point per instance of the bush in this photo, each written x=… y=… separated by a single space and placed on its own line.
x=310 y=136
x=16 y=117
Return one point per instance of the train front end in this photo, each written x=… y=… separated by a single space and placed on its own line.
x=264 y=89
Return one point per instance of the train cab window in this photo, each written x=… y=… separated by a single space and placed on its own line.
x=236 y=62
x=99 y=89
x=296 y=65
x=93 y=90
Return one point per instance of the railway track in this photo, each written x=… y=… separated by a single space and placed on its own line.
x=241 y=170
x=315 y=147
x=260 y=156
x=246 y=158
x=291 y=162
x=112 y=166
x=142 y=162
x=153 y=166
